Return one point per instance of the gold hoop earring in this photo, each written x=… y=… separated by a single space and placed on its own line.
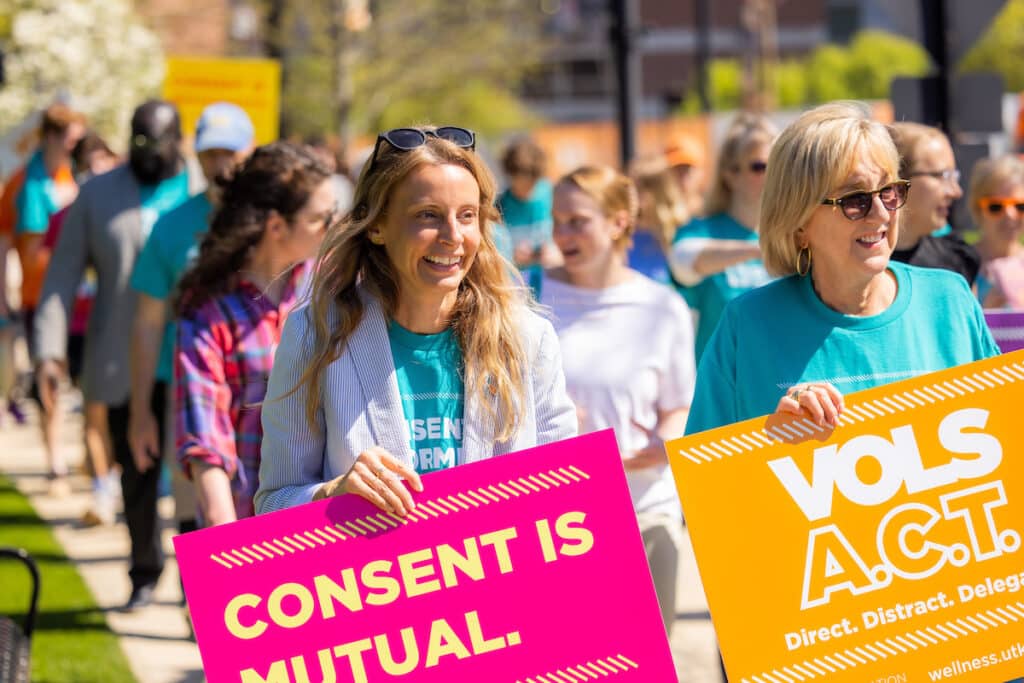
x=802 y=272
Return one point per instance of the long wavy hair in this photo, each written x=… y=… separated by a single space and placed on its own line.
x=279 y=177
x=485 y=318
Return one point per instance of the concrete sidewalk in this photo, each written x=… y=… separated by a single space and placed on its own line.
x=155 y=639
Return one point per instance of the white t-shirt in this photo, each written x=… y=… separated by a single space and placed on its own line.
x=627 y=352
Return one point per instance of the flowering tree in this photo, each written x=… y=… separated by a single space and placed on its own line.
x=95 y=53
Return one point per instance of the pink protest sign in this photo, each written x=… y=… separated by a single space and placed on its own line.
x=523 y=568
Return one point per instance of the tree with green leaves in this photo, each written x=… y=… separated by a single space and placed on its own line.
x=876 y=58
x=96 y=53
x=1001 y=49
x=415 y=61
x=862 y=70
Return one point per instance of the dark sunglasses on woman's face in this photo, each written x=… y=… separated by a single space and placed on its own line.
x=755 y=167
x=405 y=139
x=995 y=206
x=857 y=205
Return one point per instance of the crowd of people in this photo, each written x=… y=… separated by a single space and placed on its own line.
x=246 y=331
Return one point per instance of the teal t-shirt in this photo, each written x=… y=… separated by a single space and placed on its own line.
x=37 y=199
x=156 y=200
x=429 y=370
x=172 y=245
x=528 y=221
x=782 y=334
x=709 y=297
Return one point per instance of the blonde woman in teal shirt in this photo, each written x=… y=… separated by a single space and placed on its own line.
x=843 y=317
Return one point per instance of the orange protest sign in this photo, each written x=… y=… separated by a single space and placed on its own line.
x=888 y=549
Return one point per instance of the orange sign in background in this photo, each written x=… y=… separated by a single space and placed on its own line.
x=888 y=549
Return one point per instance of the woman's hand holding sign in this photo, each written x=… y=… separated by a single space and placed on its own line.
x=378 y=477
x=821 y=401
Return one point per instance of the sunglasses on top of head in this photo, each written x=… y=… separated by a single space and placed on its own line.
x=857 y=205
x=995 y=206
x=406 y=139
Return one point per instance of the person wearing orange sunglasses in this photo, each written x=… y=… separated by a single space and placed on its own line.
x=997 y=205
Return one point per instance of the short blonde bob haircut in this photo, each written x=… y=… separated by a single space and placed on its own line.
x=486 y=318
x=988 y=175
x=612 y=191
x=808 y=163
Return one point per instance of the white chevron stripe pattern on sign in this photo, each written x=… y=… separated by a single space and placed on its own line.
x=800 y=428
x=935 y=634
x=470 y=499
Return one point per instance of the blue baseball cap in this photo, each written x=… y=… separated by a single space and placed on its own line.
x=223 y=125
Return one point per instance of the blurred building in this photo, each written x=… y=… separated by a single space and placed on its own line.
x=846 y=17
x=577 y=80
x=205 y=27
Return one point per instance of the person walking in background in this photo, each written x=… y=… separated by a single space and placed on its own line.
x=525 y=208
x=844 y=316
x=91 y=157
x=663 y=210
x=223 y=139
x=926 y=160
x=997 y=206
x=413 y=318
x=717 y=258
x=106 y=228
x=36 y=191
x=684 y=157
x=233 y=303
x=600 y=306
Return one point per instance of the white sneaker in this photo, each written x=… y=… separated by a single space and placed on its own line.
x=103 y=511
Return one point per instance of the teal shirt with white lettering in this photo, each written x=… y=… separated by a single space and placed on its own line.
x=709 y=297
x=429 y=370
x=782 y=334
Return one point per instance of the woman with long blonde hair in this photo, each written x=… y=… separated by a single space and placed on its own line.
x=417 y=351
x=716 y=257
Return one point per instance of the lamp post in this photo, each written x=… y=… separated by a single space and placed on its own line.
x=624 y=28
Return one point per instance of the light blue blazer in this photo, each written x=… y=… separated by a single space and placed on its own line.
x=361 y=407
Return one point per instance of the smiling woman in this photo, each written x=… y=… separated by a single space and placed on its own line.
x=844 y=317
x=926 y=159
x=601 y=306
x=413 y=320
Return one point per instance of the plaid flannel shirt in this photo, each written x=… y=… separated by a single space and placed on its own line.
x=224 y=353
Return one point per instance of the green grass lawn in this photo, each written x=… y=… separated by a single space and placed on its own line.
x=71 y=642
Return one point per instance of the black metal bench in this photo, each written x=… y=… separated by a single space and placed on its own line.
x=15 y=640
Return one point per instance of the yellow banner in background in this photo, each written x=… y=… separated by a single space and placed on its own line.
x=888 y=549
x=253 y=84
